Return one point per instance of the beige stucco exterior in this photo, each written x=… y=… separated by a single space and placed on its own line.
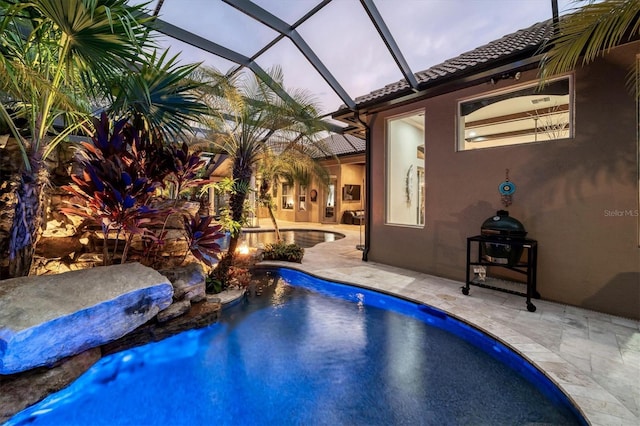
x=346 y=170
x=578 y=197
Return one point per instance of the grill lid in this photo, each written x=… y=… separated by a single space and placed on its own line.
x=504 y=225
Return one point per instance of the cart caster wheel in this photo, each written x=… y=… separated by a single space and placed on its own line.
x=536 y=295
x=465 y=291
x=531 y=307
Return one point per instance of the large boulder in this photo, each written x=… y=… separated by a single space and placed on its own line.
x=46 y=318
x=188 y=281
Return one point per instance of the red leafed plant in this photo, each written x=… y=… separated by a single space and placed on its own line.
x=115 y=201
x=114 y=188
x=122 y=168
x=184 y=168
x=202 y=237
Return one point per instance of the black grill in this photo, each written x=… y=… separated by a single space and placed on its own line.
x=504 y=229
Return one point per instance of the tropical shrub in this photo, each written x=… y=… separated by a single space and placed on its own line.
x=203 y=237
x=121 y=170
x=114 y=188
x=283 y=251
x=231 y=186
x=238 y=275
x=185 y=168
x=53 y=53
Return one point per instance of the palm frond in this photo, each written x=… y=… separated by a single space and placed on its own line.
x=58 y=52
x=589 y=32
x=162 y=93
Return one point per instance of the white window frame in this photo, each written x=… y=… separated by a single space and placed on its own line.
x=287 y=197
x=405 y=183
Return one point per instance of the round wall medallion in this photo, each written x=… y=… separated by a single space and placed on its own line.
x=507 y=188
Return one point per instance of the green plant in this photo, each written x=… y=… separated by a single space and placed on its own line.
x=591 y=31
x=248 y=113
x=283 y=251
x=229 y=185
x=214 y=285
x=159 y=92
x=56 y=59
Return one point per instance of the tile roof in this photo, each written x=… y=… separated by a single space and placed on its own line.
x=342 y=144
x=525 y=40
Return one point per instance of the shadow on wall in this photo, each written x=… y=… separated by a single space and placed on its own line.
x=576 y=172
x=624 y=286
x=604 y=149
x=450 y=237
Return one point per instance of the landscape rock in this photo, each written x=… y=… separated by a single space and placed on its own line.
x=19 y=391
x=60 y=224
x=174 y=243
x=50 y=247
x=46 y=318
x=181 y=207
x=173 y=311
x=188 y=282
x=200 y=315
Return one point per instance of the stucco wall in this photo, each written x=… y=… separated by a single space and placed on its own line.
x=569 y=193
x=349 y=171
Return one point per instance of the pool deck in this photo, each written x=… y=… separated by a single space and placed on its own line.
x=593 y=357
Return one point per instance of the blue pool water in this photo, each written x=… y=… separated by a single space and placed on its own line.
x=313 y=353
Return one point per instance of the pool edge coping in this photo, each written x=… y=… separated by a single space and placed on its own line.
x=526 y=348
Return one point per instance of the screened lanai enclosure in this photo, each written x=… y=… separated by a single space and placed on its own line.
x=338 y=49
x=322 y=55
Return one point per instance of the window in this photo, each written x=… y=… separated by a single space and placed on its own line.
x=522 y=115
x=405 y=170
x=287 y=197
x=330 y=201
x=302 y=198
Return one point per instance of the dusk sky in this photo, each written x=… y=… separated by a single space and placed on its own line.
x=343 y=37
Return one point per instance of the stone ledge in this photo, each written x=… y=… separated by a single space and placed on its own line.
x=200 y=315
x=19 y=391
x=46 y=318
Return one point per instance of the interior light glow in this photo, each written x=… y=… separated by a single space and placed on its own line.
x=243 y=249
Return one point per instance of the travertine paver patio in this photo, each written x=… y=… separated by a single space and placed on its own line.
x=593 y=357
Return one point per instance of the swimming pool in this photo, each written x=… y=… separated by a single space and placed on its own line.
x=305 y=238
x=309 y=351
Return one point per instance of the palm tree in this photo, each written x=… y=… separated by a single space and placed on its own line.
x=297 y=163
x=589 y=32
x=52 y=53
x=248 y=117
x=161 y=93
x=54 y=56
